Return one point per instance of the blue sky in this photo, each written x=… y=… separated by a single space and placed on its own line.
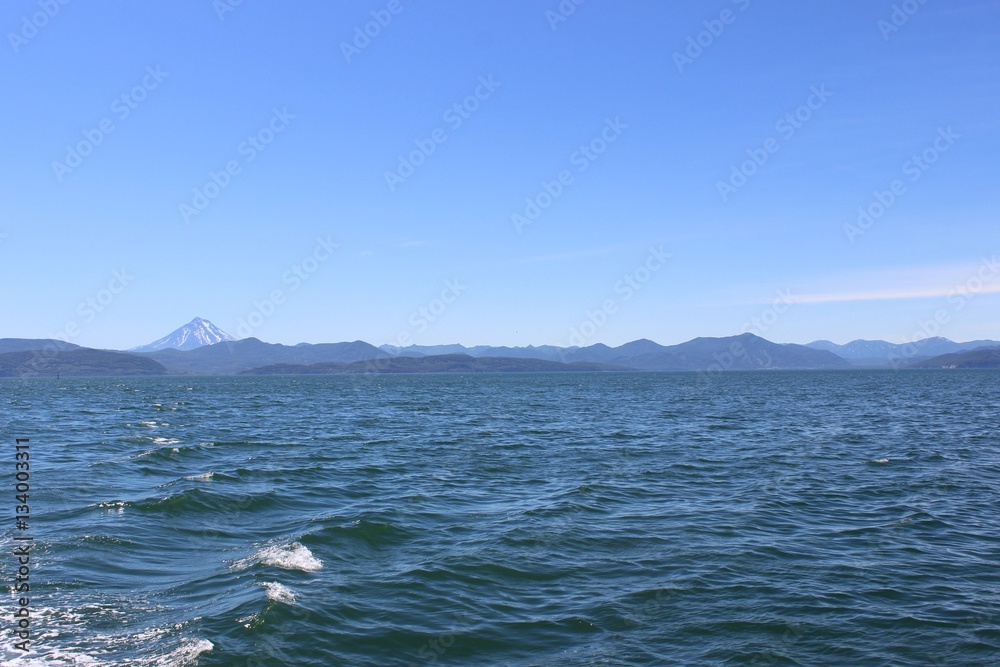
x=697 y=167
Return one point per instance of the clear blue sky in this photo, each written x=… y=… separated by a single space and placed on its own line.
x=206 y=88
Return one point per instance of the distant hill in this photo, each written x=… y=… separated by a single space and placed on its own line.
x=733 y=353
x=884 y=353
x=745 y=352
x=22 y=344
x=442 y=363
x=196 y=333
x=986 y=357
x=242 y=355
x=76 y=362
x=548 y=352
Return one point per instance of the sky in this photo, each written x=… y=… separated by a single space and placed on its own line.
x=502 y=173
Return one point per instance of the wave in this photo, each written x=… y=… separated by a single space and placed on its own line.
x=279 y=592
x=149 y=424
x=194 y=501
x=187 y=653
x=107 y=541
x=167 y=452
x=294 y=556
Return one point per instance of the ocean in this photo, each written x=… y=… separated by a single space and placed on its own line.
x=782 y=518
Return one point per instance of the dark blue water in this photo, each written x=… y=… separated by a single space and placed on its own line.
x=581 y=519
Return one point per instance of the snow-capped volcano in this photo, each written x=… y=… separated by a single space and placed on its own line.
x=194 y=334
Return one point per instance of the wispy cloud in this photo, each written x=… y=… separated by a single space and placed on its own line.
x=887 y=295
x=924 y=282
x=897 y=284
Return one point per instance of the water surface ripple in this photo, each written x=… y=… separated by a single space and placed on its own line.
x=842 y=518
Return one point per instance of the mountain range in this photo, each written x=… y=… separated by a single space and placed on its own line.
x=196 y=333
x=882 y=353
x=201 y=348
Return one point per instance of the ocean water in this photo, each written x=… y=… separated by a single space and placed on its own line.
x=841 y=518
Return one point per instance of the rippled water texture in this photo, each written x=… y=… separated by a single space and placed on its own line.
x=586 y=519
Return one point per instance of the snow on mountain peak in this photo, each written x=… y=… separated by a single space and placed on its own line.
x=196 y=333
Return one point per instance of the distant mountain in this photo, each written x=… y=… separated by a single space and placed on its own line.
x=80 y=361
x=22 y=344
x=644 y=354
x=424 y=350
x=242 y=355
x=744 y=352
x=733 y=353
x=549 y=352
x=858 y=350
x=984 y=357
x=441 y=363
x=883 y=353
x=196 y=333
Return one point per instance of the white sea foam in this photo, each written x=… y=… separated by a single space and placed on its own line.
x=204 y=475
x=165 y=441
x=279 y=592
x=117 y=506
x=292 y=556
x=880 y=461
x=67 y=641
x=187 y=653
